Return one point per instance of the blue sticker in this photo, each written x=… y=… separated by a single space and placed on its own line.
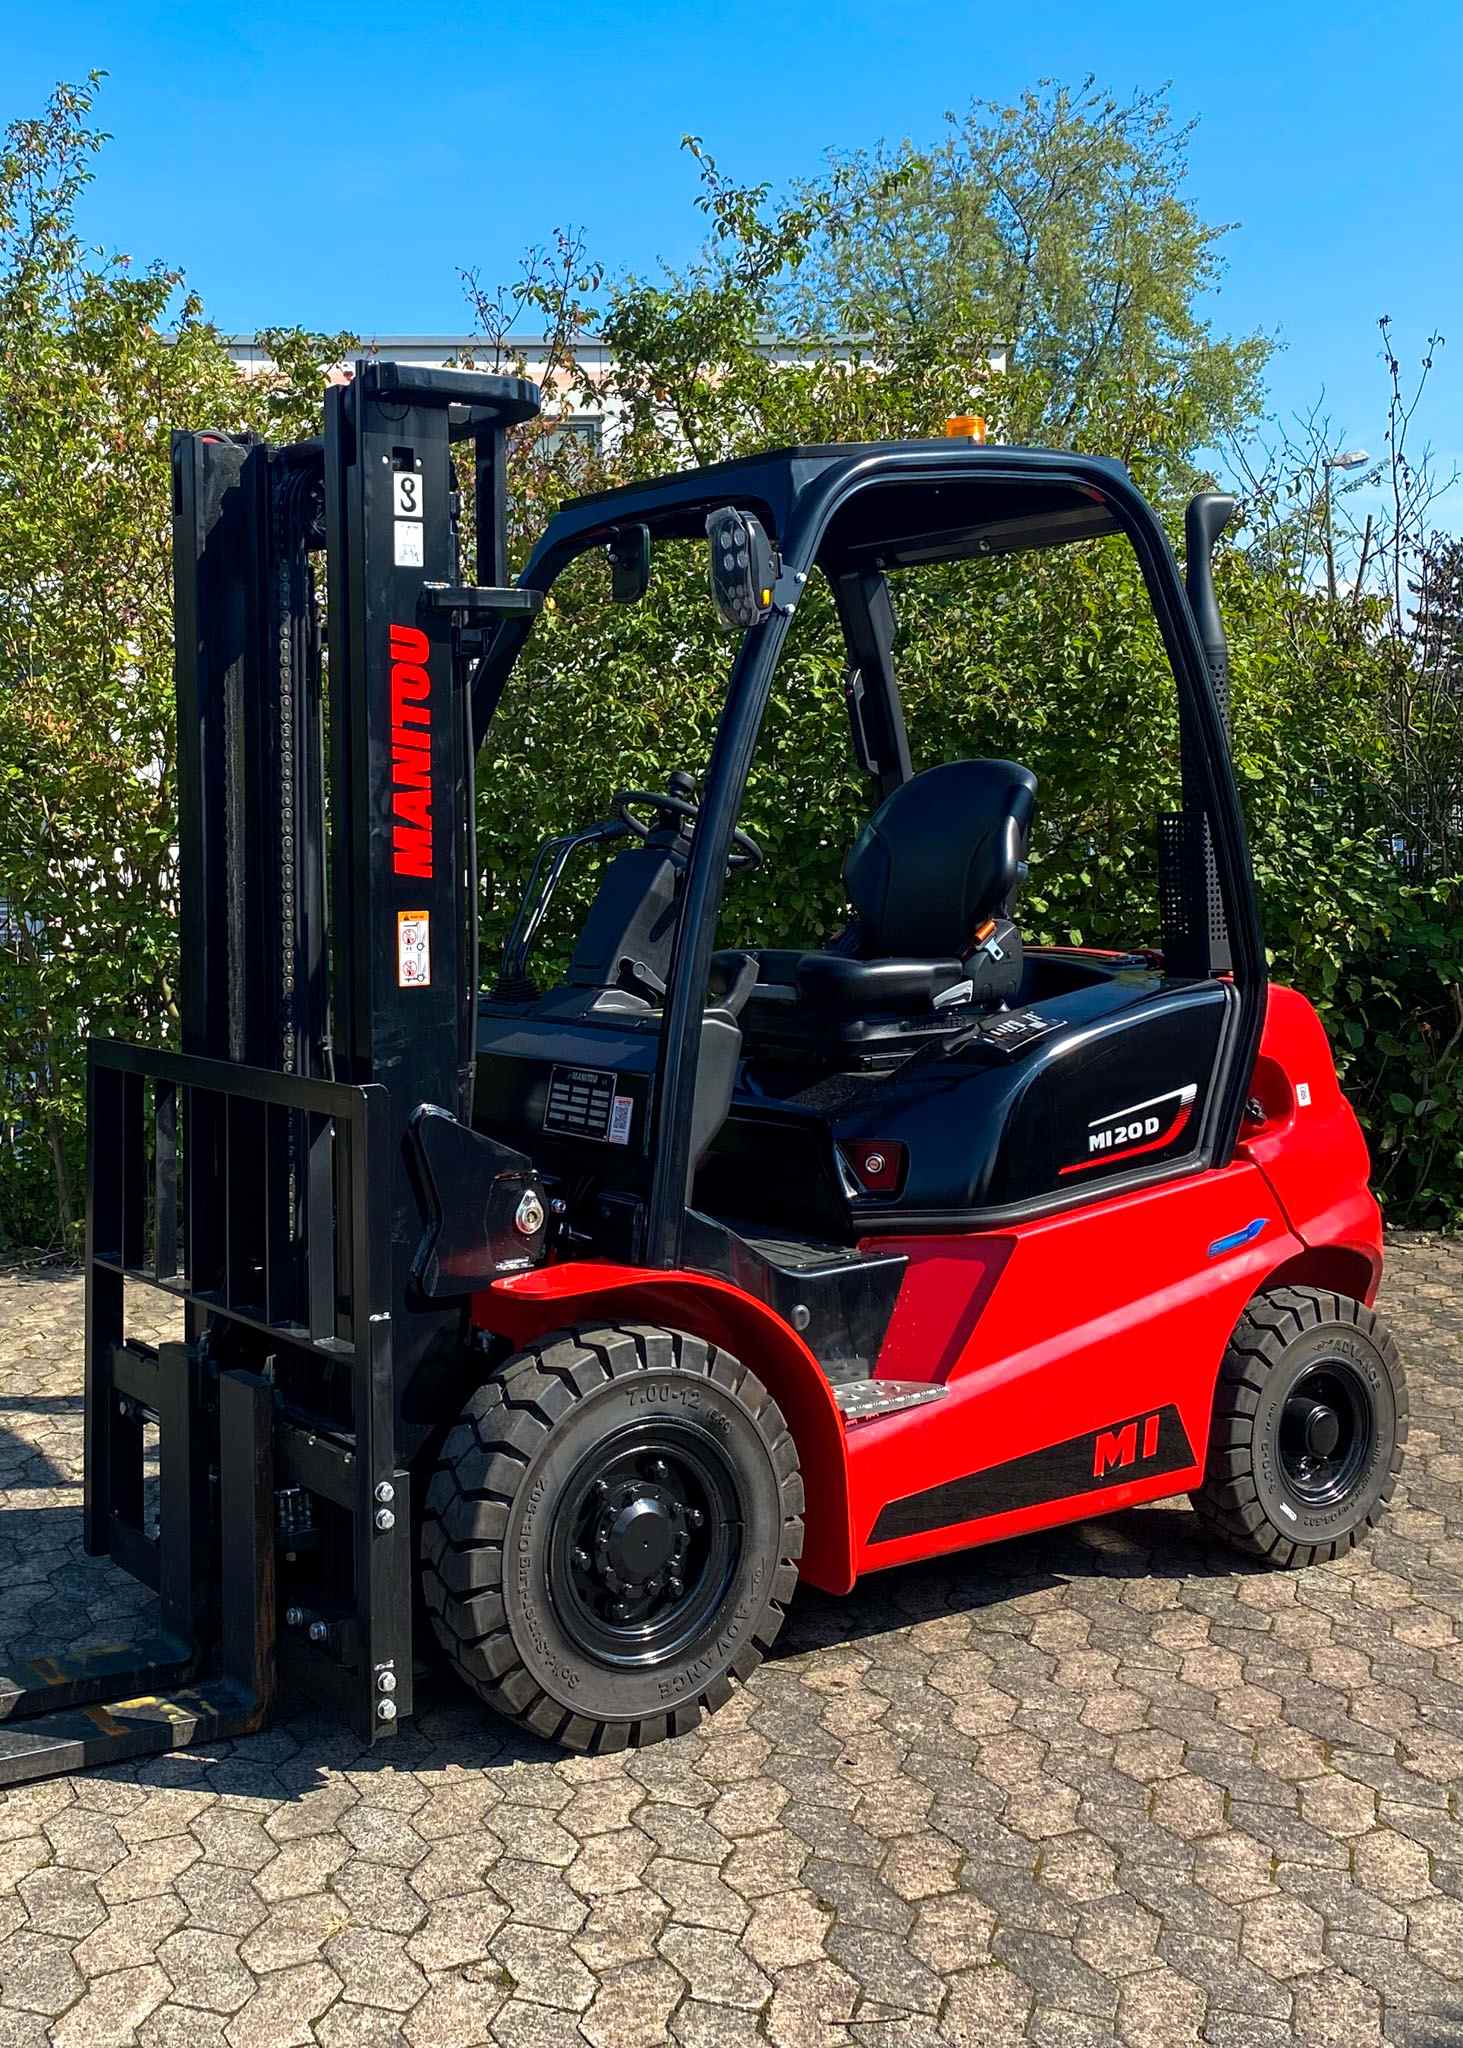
x=1238 y=1237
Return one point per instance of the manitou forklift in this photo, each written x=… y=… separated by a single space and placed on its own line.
x=564 y=1316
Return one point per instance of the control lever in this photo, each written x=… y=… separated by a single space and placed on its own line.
x=733 y=977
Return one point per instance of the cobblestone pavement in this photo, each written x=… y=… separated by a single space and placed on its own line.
x=1093 y=1787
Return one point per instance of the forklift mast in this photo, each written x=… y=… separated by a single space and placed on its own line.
x=263 y=1175
x=383 y=991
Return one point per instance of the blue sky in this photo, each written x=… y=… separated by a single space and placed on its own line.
x=336 y=167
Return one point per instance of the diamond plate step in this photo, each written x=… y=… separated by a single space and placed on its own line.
x=862 y=1400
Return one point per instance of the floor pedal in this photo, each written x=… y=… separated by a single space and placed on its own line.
x=862 y=1400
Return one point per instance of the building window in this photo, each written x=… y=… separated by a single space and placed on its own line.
x=575 y=441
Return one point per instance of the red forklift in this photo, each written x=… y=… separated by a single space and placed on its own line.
x=563 y=1316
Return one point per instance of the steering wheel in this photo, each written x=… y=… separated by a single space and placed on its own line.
x=744 y=855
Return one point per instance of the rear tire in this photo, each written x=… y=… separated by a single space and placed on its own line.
x=611 y=1535
x=1309 y=1424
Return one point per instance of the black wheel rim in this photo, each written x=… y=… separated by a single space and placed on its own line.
x=1326 y=1429
x=647 y=1536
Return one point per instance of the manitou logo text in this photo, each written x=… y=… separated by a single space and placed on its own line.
x=1121 y=1446
x=1141 y=1127
x=411 y=754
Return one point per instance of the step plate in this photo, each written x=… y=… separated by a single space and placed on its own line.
x=863 y=1400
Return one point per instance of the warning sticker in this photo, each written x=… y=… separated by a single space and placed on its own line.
x=406 y=494
x=620 y=1115
x=408 y=544
x=413 y=949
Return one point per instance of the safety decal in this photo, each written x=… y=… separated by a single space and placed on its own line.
x=406 y=513
x=413 y=949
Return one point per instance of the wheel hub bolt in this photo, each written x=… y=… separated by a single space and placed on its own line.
x=581 y=1560
x=674 y=1588
x=695 y=1518
x=661 y=1469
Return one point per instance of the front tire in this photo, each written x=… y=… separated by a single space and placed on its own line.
x=1309 y=1425
x=611 y=1535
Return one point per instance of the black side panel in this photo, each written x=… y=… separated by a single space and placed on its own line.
x=1113 y=1100
x=839 y=1301
x=1139 y=1447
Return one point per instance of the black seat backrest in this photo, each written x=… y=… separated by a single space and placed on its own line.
x=940 y=855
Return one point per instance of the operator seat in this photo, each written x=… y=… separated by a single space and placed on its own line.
x=932 y=879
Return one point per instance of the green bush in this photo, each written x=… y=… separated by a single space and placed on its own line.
x=1053 y=659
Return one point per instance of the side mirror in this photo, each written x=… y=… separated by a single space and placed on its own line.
x=629 y=551
x=744 y=567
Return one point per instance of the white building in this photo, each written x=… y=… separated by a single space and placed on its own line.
x=532 y=354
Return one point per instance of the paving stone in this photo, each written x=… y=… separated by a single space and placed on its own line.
x=113 y=2009
x=787 y=1929
x=886 y=1971
x=697 y=1894
x=294 y=1932
x=301 y=1867
x=632 y=2006
x=542 y=1967
x=149 y=1870
x=375 y=1969
x=1160 y=2009
x=1333 y=2010
x=810 y=2006
x=60 y=1901
x=610 y=1862
x=359 y=2026
x=456 y=1931
x=37 y=1974
x=221 y=1899
x=989 y=2004
x=1111 y=1787
x=204 y=1969
x=461 y=2014
x=377 y=1896
x=130 y=1935
x=1283 y=1936
x=181 y=2026
x=280 y=2013
x=694 y=2025
x=715 y=1967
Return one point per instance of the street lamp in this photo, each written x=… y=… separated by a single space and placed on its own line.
x=1350 y=458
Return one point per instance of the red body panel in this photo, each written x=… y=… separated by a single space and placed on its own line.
x=1313 y=1154
x=1098 y=1315
x=1091 y=1338
x=528 y=1305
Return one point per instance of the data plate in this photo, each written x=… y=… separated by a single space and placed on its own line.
x=581 y=1104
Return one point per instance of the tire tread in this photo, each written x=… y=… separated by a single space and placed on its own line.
x=1228 y=1501
x=485 y=1455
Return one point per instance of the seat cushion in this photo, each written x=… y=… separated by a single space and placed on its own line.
x=831 y=983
